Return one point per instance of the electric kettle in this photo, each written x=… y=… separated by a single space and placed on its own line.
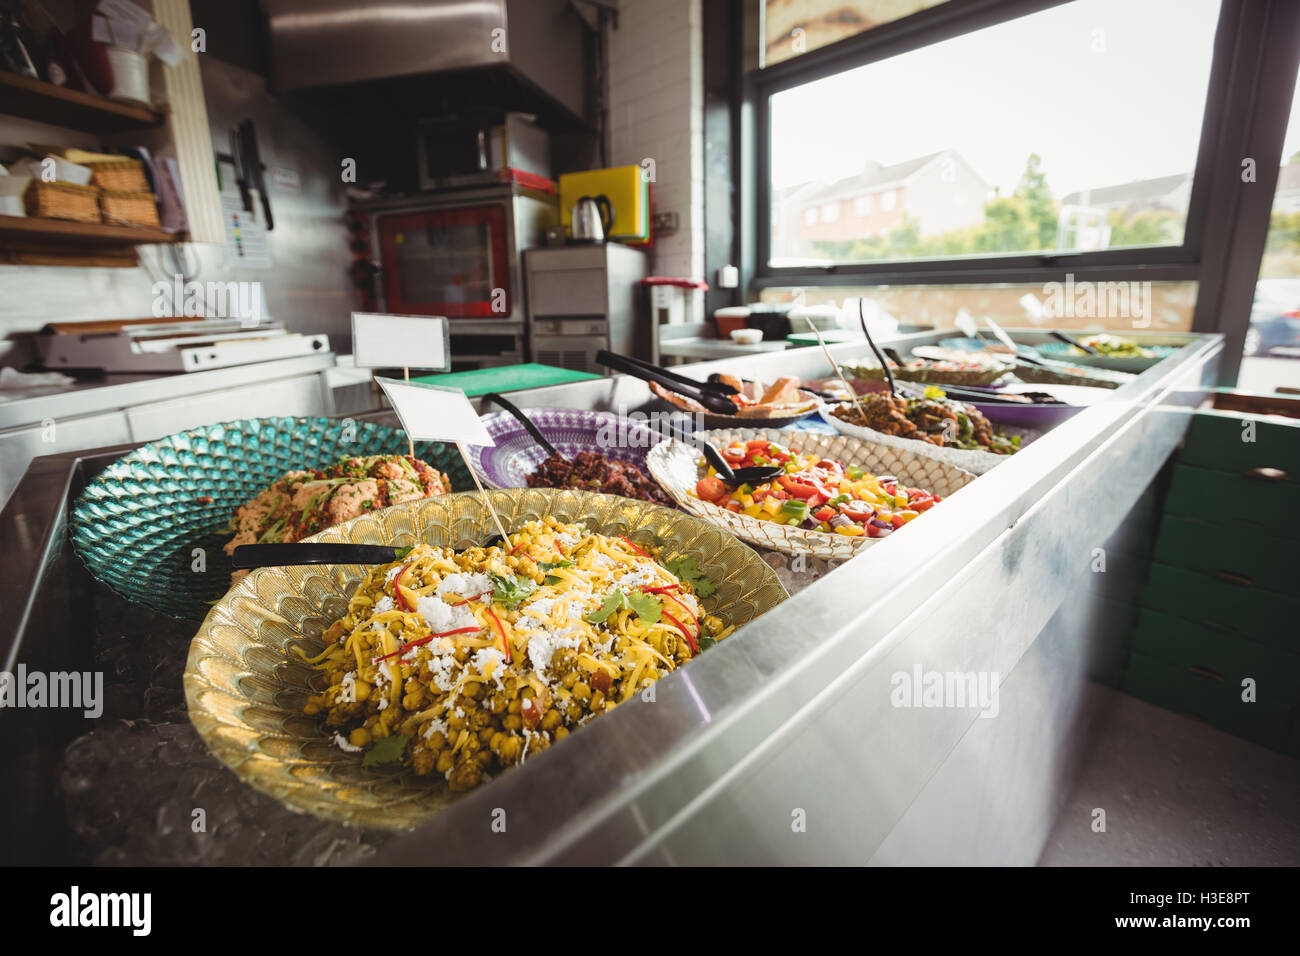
x=592 y=218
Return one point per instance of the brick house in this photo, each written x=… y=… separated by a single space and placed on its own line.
x=941 y=191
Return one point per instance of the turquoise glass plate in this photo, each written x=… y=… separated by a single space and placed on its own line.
x=152 y=525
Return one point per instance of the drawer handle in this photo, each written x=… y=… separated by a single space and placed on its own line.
x=1205 y=672
x=1267 y=474
x=1232 y=578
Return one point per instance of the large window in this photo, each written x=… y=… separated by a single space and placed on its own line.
x=1273 y=338
x=1074 y=129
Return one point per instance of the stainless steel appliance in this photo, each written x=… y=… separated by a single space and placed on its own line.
x=592 y=218
x=456 y=253
x=582 y=299
x=516 y=54
x=454 y=151
x=170 y=345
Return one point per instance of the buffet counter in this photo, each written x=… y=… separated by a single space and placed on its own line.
x=787 y=743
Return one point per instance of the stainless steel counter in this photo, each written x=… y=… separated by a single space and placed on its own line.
x=789 y=743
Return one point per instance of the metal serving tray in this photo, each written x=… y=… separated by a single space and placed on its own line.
x=785 y=745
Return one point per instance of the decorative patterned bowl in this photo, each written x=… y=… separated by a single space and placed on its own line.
x=1062 y=352
x=516 y=456
x=245 y=687
x=151 y=526
x=968 y=459
x=678 y=465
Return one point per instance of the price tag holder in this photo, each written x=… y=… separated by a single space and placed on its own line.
x=400 y=341
x=434 y=413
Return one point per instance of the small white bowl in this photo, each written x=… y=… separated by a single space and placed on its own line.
x=746 y=336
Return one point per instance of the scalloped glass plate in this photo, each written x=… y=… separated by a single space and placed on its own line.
x=245 y=687
x=138 y=524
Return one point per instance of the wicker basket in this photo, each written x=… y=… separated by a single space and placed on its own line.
x=129 y=208
x=62 y=201
x=126 y=175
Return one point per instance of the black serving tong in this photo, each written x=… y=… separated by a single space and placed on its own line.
x=1062 y=337
x=284 y=554
x=716 y=379
x=524 y=420
x=732 y=478
x=880 y=356
x=712 y=395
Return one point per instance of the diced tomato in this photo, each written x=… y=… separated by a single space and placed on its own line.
x=711 y=489
x=857 y=510
x=797 y=488
x=778 y=455
x=874 y=532
x=830 y=464
x=780 y=495
x=817 y=500
x=734 y=454
x=760 y=494
x=922 y=504
x=824 y=514
x=757 y=444
x=898 y=521
x=733 y=505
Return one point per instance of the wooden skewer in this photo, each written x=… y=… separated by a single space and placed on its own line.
x=853 y=396
x=487 y=501
x=410 y=442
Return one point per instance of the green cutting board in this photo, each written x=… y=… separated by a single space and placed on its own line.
x=506 y=378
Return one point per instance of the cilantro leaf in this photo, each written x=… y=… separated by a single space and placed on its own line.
x=647 y=607
x=552 y=565
x=385 y=750
x=615 y=602
x=687 y=569
x=705 y=642
x=510 y=590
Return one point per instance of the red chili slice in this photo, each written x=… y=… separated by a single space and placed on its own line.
x=420 y=641
x=504 y=643
x=628 y=541
x=397 y=580
x=695 y=648
x=476 y=597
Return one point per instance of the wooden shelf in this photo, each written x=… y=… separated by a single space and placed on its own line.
x=96 y=233
x=61 y=242
x=46 y=103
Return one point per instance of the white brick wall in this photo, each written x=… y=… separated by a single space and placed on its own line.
x=657 y=111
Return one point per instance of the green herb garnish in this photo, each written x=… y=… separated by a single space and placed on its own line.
x=615 y=602
x=510 y=590
x=687 y=569
x=647 y=607
x=385 y=750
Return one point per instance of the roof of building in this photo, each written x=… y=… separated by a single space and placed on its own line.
x=873 y=177
x=1140 y=192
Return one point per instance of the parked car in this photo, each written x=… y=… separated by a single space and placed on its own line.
x=1275 y=317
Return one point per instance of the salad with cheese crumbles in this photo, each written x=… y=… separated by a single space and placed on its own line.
x=467 y=662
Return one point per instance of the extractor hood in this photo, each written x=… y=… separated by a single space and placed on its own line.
x=524 y=55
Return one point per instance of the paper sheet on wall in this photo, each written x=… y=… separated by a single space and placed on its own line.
x=246 y=240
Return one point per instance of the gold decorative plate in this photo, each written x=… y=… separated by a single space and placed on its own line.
x=245 y=686
x=678 y=466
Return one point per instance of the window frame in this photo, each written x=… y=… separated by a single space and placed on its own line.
x=952 y=19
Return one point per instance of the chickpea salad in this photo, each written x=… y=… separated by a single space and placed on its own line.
x=467 y=662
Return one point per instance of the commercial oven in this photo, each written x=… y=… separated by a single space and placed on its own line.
x=457 y=253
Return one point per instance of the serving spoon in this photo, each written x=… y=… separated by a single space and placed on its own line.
x=527 y=422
